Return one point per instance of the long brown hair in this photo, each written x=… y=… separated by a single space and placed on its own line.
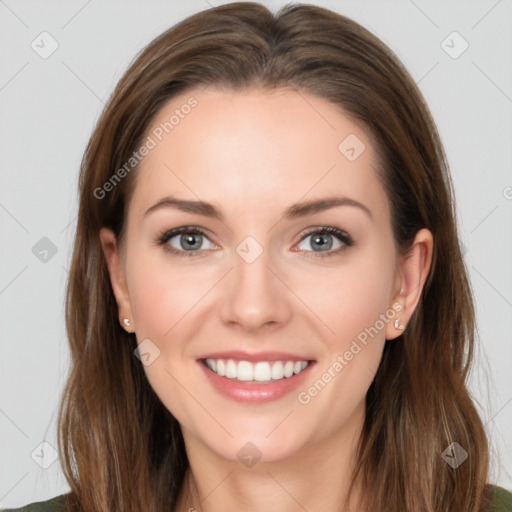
x=120 y=448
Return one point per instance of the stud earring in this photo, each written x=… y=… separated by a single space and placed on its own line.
x=398 y=325
x=126 y=321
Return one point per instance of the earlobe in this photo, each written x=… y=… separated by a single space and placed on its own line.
x=117 y=277
x=414 y=269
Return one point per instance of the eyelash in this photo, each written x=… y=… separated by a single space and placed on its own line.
x=342 y=236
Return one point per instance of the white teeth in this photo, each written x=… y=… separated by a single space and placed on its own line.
x=288 y=369
x=297 y=367
x=221 y=367
x=244 y=371
x=231 y=369
x=262 y=371
x=277 y=371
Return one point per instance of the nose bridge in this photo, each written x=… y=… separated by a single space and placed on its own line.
x=254 y=295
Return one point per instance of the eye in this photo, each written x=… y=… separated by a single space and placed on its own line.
x=188 y=240
x=323 y=240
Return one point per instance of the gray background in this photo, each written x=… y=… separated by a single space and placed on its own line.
x=49 y=107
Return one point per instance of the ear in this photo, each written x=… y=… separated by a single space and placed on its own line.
x=117 y=276
x=412 y=274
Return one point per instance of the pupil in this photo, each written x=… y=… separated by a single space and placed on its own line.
x=320 y=244
x=189 y=239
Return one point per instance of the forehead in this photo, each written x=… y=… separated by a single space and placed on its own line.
x=256 y=150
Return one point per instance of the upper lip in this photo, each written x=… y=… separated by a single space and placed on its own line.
x=255 y=356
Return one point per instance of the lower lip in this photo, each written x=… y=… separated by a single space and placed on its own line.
x=255 y=392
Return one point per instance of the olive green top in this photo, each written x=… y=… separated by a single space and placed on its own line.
x=501 y=502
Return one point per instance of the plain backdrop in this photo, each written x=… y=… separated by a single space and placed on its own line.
x=49 y=106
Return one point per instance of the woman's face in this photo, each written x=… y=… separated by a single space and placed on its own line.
x=258 y=284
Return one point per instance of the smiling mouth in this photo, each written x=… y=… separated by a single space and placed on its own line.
x=259 y=372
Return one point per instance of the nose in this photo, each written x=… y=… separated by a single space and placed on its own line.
x=255 y=296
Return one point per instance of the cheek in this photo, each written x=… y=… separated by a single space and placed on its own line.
x=352 y=303
x=350 y=298
x=161 y=295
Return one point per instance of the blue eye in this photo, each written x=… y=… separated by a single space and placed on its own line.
x=323 y=239
x=191 y=238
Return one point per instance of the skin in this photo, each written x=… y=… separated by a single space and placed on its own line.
x=252 y=154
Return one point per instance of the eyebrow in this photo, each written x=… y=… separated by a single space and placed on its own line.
x=292 y=212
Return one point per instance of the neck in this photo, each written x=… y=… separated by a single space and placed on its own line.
x=316 y=478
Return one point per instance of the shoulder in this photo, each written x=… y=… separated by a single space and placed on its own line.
x=55 y=504
x=501 y=499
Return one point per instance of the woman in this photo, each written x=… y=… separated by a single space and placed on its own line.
x=267 y=305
